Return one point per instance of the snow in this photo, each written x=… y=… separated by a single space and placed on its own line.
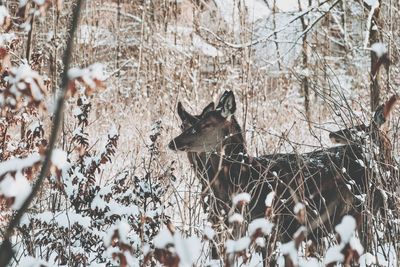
x=257 y=10
x=361 y=162
x=123 y=229
x=23 y=76
x=291 y=5
x=261 y=224
x=236 y=218
x=188 y=249
x=95 y=36
x=16 y=164
x=163 y=238
x=355 y=244
x=16 y=187
x=209 y=233
x=379 y=48
x=39 y=2
x=372 y=3
x=59 y=159
x=298 y=208
x=239 y=245
x=334 y=254
x=3 y=15
x=121 y=210
x=269 y=199
x=113 y=132
x=346 y=228
x=22 y=3
x=260 y=241
x=290 y=250
x=6 y=38
x=29 y=261
x=205 y=47
x=242 y=198
x=89 y=75
x=309 y=262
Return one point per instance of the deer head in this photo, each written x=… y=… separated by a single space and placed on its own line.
x=208 y=132
x=189 y=120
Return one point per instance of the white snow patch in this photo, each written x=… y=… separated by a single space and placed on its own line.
x=367 y=259
x=233 y=246
x=236 y=218
x=29 y=261
x=260 y=241
x=379 y=48
x=346 y=228
x=241 y=198
x=372 y=3
x=334 y=255
x=163 y=238
x=269 y=199
x=290 y=250
x=188 y=249
x=359 y=161
x=355 y=244
x=208 y=232
x=260 y=224
x=205 y=47
x=25 y=75
x=59 y=158
x=16 y=187
x=17 y=164
x=298 y=207
x=3 y=15
x=89 y=75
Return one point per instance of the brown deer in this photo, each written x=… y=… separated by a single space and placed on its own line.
x=374 y=141
x=375 y=132
x=199 y=161
x=325 y=180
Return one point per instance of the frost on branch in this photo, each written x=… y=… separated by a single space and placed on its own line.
x=380 y=49
x=349 y=247
x=172 y=249
x=208 y=232
x=118 y=245
x=236 y=218
x=269 y=201
x=290 y=249
x=14 y=186
x=241 y=199
x=91 y=78
x=24 y=88
x=260 y=227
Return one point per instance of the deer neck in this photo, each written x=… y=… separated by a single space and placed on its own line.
x=233 y=145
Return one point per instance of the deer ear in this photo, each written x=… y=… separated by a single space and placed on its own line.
x=184 y=115
x=227 y=104
x=208 y=108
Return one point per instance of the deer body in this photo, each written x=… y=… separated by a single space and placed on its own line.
x=320 y=179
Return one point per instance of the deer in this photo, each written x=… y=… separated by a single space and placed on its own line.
x=375 y=132
x=198 y=161
x=374 y=140
x=326 y=180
